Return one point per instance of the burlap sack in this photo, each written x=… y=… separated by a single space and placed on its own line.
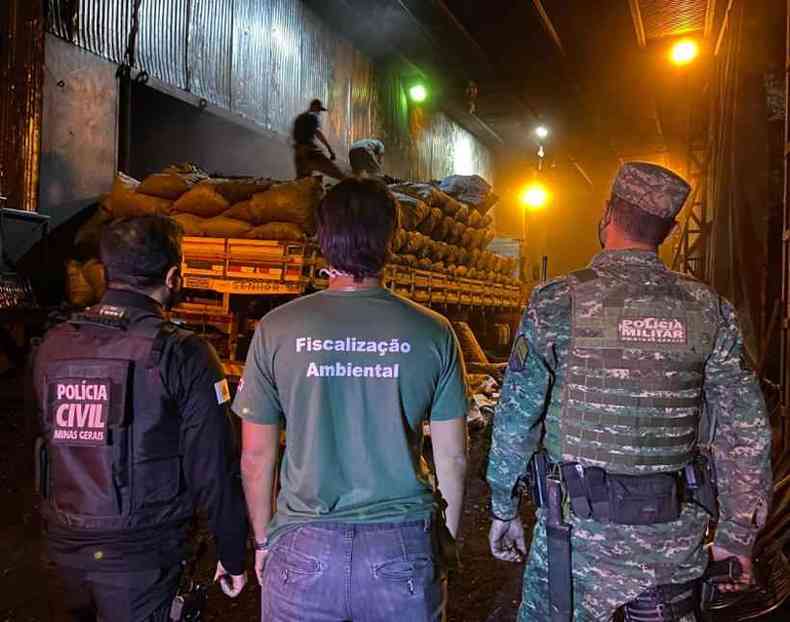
x=486 y=221
x=452 y=254
x=409 y=260
x=412 y=211
x=168 y=186
x=443 y=229
x=475 y=218
x=467 y=237
x=203 y=200
x=191 y=224
x=224 y=227
x=414 y=243
x=424 y=263
x=456 y=233
x=78 y=290
x=462 y=215
x=125 y=202
x=428 y=225
x=463 y=256
x=294 y=201
x=461 y=271
x=425 y=192
x=93 y=269
x=242 y=189
x=450 y=206
x=282 y=231
x=241 y=211
x=488 y=237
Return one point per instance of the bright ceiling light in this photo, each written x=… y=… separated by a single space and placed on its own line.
x=684 y=52
x=535 y=196
x=542 y=132
x=418 y=93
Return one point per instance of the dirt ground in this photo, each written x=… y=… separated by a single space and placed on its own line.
x=484 y=590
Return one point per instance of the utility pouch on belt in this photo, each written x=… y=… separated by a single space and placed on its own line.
x=622 y=499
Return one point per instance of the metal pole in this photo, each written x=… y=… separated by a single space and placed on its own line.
x=544 y=269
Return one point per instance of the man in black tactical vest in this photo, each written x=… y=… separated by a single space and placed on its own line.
x=135 y=422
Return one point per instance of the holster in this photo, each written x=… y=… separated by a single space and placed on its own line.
x=701 y=484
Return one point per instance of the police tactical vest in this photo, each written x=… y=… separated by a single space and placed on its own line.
x=632 y=395
x=112 y=435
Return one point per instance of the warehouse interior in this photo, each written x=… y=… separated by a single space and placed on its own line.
x=94 y=93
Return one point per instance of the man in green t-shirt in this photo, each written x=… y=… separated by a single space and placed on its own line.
x=352 y=374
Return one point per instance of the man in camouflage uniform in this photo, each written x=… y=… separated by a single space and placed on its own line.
x=628 y=369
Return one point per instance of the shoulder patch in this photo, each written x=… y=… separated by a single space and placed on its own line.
x=519 y=354
x=223 y=391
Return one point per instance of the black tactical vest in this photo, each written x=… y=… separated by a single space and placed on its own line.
x=632 y=396
x=112 y=435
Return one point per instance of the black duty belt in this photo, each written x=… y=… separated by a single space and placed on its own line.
x=645 y=499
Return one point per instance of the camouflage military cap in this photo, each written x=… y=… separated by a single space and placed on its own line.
x=651 y=188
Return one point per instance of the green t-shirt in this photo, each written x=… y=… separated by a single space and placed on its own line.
x=352 y=375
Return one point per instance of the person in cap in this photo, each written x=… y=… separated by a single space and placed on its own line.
x=352 y=374
x=137 y=436
x=308 y=156
x=366 y=157
x=626 y=388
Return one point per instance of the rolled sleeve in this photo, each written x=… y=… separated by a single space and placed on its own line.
x=450 y=398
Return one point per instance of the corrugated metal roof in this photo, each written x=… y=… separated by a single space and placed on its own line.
x=668 y=18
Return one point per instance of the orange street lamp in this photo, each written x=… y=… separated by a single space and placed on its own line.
x=684 y=52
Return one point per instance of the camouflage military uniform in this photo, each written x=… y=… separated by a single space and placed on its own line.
x=615 y=563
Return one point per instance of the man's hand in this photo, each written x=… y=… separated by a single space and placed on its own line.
x=506 y=539
x=745 y=579
x=260 y=560
x=231 y=584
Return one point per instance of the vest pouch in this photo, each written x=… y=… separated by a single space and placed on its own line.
x=87 y=429
x=643 y=499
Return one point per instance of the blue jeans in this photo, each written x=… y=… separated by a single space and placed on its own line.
x=342 y=572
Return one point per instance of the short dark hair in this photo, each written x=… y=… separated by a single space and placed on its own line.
x=356 y=223
x=639 y=225
x=139 y=251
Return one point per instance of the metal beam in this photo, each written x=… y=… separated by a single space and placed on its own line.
x=710 y=18
x=639 y=25
x=548 y=25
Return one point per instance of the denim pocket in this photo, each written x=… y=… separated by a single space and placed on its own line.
x=290 y=566
x=412 y=574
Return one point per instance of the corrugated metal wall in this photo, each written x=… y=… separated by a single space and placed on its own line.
x=21 y=84
x=265 y=61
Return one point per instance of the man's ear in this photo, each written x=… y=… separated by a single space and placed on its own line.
x=172 y=277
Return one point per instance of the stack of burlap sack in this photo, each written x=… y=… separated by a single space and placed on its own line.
x=252 y=208
x=439 y=232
